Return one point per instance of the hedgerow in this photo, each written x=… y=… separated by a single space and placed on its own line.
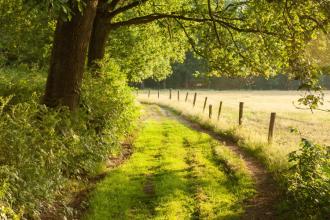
x=42 y=149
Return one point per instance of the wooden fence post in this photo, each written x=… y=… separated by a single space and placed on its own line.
x=219 y=112
x=210 y=111
x=240 y=116
x=186 y=99
x=205 y=101
x=170 y=93
x=149 y=93
x=178 y=95
x=195 y=97
x=271 y=127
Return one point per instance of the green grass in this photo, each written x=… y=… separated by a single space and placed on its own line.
x=174 y=173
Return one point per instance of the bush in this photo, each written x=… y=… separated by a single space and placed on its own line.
x=308 y=181
x=20 y=83
x=41 y=149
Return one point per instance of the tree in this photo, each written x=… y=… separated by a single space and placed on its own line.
x=68 y=57
x=253 y=37
x=229 y=31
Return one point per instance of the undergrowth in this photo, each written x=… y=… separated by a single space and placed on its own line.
x=43 y=149
x=308 y=181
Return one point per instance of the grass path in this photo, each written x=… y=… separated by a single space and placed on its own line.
x=175 y=172
x=262 y=205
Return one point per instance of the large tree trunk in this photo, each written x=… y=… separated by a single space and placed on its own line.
x=98 y=41
x=68 y=58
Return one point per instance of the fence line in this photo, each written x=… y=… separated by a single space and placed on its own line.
x=271 y=127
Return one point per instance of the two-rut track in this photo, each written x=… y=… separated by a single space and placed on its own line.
x=261 y=206
x=180 y=171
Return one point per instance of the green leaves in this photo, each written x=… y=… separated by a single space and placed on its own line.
x=26 y=34
x=63 y=8
x=308 y=180
x=313 y=101
x=41 y=149
x=141 y=55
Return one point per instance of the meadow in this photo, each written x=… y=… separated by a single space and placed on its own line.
x=291 y=123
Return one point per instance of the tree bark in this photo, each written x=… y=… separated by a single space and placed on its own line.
x=100 y=34
x=68 y=57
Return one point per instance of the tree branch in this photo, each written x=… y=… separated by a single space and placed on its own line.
x=113 y=5
x=319 y=24
x=152 y=17
x=318 y=109
x=125 y=8
x=190 y=40
x=156 y=16
x=234 y=5
x=213 y=21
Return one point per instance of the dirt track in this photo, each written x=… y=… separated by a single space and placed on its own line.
x=261 y=207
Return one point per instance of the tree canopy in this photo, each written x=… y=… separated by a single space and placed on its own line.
x=144 y=37
x=237 y=37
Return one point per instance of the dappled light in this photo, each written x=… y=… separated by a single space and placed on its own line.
x=164 y=109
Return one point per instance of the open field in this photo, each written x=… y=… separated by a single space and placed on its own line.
x=257 y=108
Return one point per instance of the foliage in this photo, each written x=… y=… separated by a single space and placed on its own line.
x=26 y=33
x=263 y=38
x=41 y=149
x=236 y=38
x=141 y=56
x=318 y=50
x=192 y=73
x=17 y=82
x=8 y=213
x=188 y=73
x=63 y=9
x=309 y=180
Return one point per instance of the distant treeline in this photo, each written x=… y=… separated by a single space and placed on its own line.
x=184 y=76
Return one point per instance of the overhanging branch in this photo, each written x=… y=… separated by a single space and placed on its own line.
x=213 y=22
x=112 y=14
x=152 y=17
x=190 y=39
x=112 y=5
x=156 y=16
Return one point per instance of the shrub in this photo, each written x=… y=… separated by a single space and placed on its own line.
x=20 y=83
x=308 y=181
x=41 y=149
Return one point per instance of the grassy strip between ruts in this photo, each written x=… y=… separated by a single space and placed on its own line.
x=174 y=173
x=274 y=163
